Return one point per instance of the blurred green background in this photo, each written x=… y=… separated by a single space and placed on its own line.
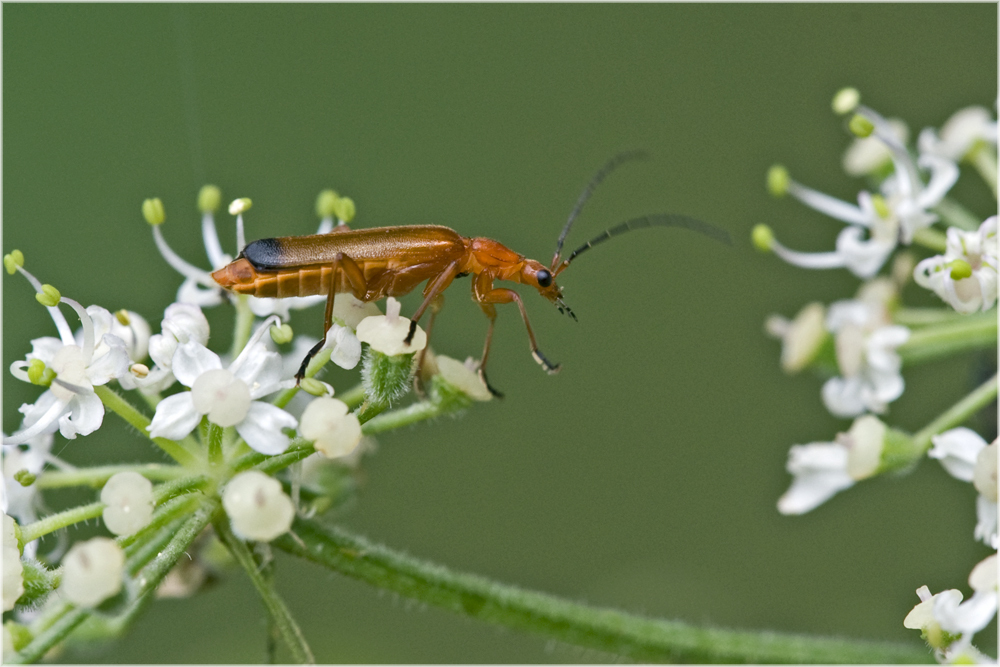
x=644 y=476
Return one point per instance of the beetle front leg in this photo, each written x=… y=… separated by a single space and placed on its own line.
x=356 y=278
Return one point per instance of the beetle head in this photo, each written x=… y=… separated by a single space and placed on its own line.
x=544 y=280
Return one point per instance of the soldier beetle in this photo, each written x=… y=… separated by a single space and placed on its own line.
x=391 y=261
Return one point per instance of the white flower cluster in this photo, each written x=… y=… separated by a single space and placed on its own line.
x=861 y=343
x=223 y=419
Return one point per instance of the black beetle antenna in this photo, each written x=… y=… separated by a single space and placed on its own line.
x=601 y=174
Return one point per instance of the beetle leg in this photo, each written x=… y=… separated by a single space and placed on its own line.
x=491 y=313
x=434 y=287
x=501 y=295
x=436 y=304
x=356 y=279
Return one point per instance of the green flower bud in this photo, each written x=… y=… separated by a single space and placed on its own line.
x=326 y=204
x=39 y=581
x=313 y=386
x=345 y=209
x=778 y=181
x=12 y=261
x=24 y=478
x=860 y=126
x=152 y=211
x=209 y=198
x=846 y=100
x=762 y=237
x=960 y=269
x=49 y=296
x=281 y=334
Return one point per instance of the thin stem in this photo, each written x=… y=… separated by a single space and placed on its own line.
x=273 y=464
x=353 y=396
x=215 y=433
x=243 y=326
x=139 y=421
x=68 y=619
x=411 y=414
x=919 y=317
x=956 y=215
x=282 y=618
x=57 y=479
x=166 y=513
x=933 y=342
x=984 y=158
x=635 y=637
x=54 y=522
x=958 y=413
x=931 y=239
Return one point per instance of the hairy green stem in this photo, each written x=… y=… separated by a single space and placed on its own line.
x=632 y=636
x=68 y=619
x=289 y=630
x=112 y=401
x=411 y=414
x=215 y=433
x=54 y=522
x=933 y=342
x=958 y=413
x=57 y=479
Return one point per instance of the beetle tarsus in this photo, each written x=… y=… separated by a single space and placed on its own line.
x=547 y=365
x=413 y=330
x=496 y=392
x=305 y=362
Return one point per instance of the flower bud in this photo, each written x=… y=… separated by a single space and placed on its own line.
x=456 y=377
x=153 y=212
x=257 y=506
x=129 y=500
x=984 y=477
x=92 y=572
x=334 y=431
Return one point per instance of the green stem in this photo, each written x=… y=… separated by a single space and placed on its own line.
x=54 y=522
x=215 y=433
x=272 y=464
x=635 y=637
x=956 y=215
x=112 y=401
x=958 y=413
x=921 y=317
x=353 y=396
x=282 y=618
x=57 y=479
x=984 y=158
x=933 y=342
x=166 y=513
x=243 y=326
x=411 y=414
x=931 y=239
x=68 y=619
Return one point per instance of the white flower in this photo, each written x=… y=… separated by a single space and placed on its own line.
x=13 y=571
x=129 y=500
x=801 y=338
x=182 y=322
x=463 y=376
x=959 y=134
x=866 y=357
x=227 y=396
x=21 y=502
x=822 y=469
x=387 y=333
x=969 y=617
x=92 y=571
x=334 y=431
x=70 y=402
x=975 y=287
x=966 y=456
x=257 y=506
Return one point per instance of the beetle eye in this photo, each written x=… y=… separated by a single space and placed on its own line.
x=544 y=278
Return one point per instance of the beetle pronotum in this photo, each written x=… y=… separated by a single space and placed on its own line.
x=391 y=261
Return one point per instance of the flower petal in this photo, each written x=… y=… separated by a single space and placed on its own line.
x=175 y=417
x=85 y=416
x=191 y=360
x=262 y=428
